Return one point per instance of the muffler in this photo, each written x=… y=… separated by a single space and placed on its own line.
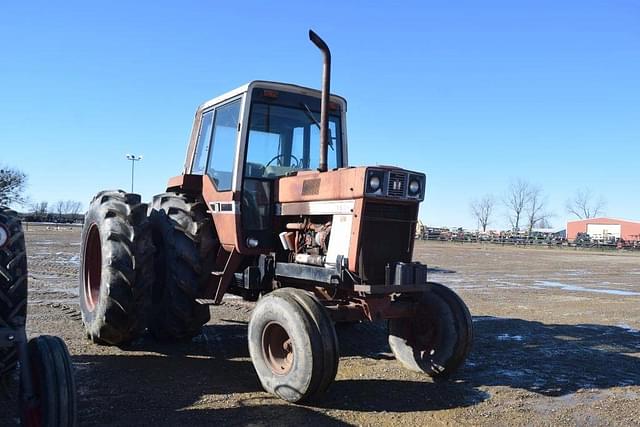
x=324 y=106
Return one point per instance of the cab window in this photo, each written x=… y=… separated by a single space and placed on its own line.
x=223 y=145
x=285 y=139
x=202 y=145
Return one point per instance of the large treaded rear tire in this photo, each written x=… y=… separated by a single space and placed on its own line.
x=13 y=283
x=116 y=267
x=186 y=251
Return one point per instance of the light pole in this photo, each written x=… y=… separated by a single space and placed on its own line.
x=133 y=159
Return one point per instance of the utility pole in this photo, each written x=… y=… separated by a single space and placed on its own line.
x=133 y=159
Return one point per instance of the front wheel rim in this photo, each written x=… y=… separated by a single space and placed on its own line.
x=277 y=348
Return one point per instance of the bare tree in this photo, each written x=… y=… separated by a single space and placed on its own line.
x=40 y=209
x=535 y=209
x=72 y=207
x=584 y=204
x=482 y=210
x=12 y=186
x=59 y=208
x=67 y=208
x=516 y=200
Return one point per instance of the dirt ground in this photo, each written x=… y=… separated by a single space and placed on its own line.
x=556 y=343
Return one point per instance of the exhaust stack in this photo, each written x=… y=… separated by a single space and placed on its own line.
x=324 y=106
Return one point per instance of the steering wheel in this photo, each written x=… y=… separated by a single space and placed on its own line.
x=278 y=156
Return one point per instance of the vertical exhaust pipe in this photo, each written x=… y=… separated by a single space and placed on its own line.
x=324 y=106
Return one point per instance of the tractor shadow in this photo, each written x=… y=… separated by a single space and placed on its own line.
x=153 y=382
x=381 y=395
x=259 y=415
x=549 y=359
x=180 y=390
x=203 y=381
x=157 y=382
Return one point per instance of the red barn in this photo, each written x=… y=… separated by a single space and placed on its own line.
x=604 y=228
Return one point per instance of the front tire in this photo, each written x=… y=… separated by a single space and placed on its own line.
x=116 y=267
x=13 y=282
x=438 y=338
x=293 y=345
x=54 y=403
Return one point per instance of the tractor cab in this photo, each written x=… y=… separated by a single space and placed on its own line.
x=244 y=141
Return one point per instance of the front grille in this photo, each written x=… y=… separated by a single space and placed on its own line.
x=397 y=184
x=387 y=233
x=387 y=211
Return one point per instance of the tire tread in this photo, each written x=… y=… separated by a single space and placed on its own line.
x=13 y=283
x=181 y=226
x=126 y=270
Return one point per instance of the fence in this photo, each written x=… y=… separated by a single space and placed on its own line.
x=524 y=240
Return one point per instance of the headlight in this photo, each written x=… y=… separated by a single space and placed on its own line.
x=414 y=187
x=4 y=236
x=374 y=183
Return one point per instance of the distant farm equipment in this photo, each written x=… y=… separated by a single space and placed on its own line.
x=524 y=238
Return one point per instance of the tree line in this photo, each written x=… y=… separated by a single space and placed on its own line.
x=13 y=183
x=525 y=206
x=61 y=211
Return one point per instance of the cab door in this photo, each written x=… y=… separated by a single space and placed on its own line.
x=215 y=160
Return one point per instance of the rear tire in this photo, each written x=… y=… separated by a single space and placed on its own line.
x=293 y=345
x=438 y=338
x=13 y=283
x=116 y=267
x=54 y=403
x=184 y=236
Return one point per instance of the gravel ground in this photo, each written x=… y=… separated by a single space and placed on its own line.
x=556 y=343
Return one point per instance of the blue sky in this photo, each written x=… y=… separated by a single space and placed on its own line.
x=474 y=94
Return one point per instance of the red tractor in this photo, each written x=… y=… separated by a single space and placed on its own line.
x=268 y=208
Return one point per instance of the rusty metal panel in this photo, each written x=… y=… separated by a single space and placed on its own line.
x=226 y=225
x=321 y=207
x=311 y=187
x=340 y=184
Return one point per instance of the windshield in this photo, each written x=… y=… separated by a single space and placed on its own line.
x=283 y=139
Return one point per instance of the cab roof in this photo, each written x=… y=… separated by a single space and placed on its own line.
x=285 y=87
